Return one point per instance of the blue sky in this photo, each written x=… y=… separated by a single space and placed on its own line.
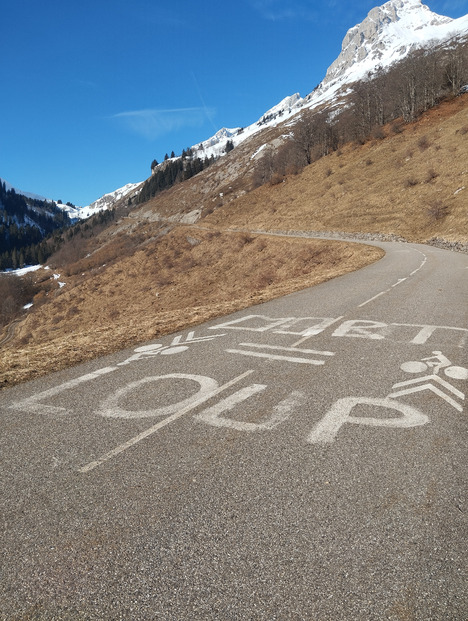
x=92 y=91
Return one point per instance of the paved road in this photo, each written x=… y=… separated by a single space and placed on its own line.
x=302 y=459
x=10 y=332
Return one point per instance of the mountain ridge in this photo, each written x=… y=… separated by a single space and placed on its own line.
x=411 y=16
x=386 y=35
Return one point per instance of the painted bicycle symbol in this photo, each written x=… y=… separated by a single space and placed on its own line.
x=177 y=346
x=434 y=365
x=436 y=362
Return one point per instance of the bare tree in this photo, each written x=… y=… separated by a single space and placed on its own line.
x=304 y=135
x=264 y=168
x=456 y=72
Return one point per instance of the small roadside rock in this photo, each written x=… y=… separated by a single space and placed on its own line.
x=439 y=242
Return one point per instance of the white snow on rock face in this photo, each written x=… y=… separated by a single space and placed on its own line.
x=108 y=200
x=387 y=35
x=101 y=204
x=284 y=106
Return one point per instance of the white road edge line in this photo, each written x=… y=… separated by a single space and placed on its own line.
x=374 y=298
x=148 y=432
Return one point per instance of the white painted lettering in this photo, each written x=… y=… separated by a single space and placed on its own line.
x=163 y=423
x=111 y=409
x=253 y=323
x=364 y=329
x=281 y=412
x=33 y=405
x=426 y=331
x=327 y=429
x=312 y=327
x=212 y=415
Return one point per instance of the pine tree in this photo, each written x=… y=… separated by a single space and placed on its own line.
x=14 y=258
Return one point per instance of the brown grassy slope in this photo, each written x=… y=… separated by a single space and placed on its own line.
x=228 y=178
x=165 y=284
x=414 y=184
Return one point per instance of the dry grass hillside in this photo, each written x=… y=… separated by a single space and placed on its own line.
x=147 y=274
x=166 y=283
x=413 y=183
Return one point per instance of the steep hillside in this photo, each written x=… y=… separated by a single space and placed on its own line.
x=409 y=180
x=412 y=183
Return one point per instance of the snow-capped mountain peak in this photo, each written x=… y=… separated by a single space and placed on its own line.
x=220 y=138
x=386 y=35
x=284 y=106
x=108 y=200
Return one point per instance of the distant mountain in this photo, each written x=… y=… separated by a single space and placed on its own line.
x=108 y=201
x=74 y=212
x=387 y=35
x=25 y=221
x=8 y=186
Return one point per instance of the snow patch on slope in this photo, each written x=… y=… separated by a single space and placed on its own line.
x=215 y=146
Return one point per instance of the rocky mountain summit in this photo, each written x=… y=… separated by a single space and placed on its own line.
x=388 y=34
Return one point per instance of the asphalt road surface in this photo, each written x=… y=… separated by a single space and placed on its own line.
x=301 y=459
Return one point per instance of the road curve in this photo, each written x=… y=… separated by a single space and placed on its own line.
x=301 y=459
x=10 y=332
